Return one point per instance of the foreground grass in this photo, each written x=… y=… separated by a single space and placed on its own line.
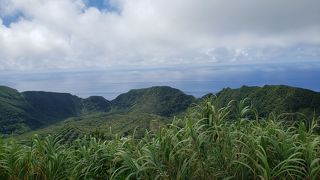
x=209 y=143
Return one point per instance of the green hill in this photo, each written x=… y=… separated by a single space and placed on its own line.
x=95 y=104
x=105 y=139
x=208 y=143
x=21 y=112
x=139 y=109
x=15 y=111
x=159 y=100
x=274 y=98
x=29 y=110
x=51 y=107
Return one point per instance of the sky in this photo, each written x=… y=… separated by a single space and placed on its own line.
x=107 y=47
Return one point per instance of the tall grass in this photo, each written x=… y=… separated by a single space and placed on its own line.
x=231 y=142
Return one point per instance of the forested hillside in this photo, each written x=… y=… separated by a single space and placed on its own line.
x=15 y=112
x=22 y=112
x=159 y=100
x=274 y=98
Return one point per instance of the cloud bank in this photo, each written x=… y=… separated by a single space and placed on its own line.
x=59 y=34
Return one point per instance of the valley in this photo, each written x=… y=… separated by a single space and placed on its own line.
x=35 y=112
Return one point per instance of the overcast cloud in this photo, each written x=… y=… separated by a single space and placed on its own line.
x=58 y=34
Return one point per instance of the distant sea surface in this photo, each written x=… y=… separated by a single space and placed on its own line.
x=196 y=81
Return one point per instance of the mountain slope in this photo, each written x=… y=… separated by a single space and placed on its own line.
x=50 y=107
x=274 y=98
x=29 y=110
x=95 y=104
x=159 y=100
x=15 y=111
x=21 y=112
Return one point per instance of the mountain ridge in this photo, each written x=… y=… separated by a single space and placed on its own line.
x=274 y=98
x=47 y=108
x=24 y=111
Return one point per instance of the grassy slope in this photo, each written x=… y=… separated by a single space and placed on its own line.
x=105 y=123
x=207 y=144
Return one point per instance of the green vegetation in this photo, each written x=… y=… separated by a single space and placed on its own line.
x=277 y=98
x=208 y=143
x=14 y=112
x=100 y=125
x=51 y=107
x=95 y=104
x=33 y=108
x=22 y=112
x=159 y=100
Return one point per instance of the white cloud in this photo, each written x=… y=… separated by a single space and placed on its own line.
x=67 y=34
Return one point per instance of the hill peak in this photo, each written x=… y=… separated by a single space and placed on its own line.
x=159 y=100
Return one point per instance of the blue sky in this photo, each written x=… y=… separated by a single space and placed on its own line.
x=106 y=47
x=102 y=5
